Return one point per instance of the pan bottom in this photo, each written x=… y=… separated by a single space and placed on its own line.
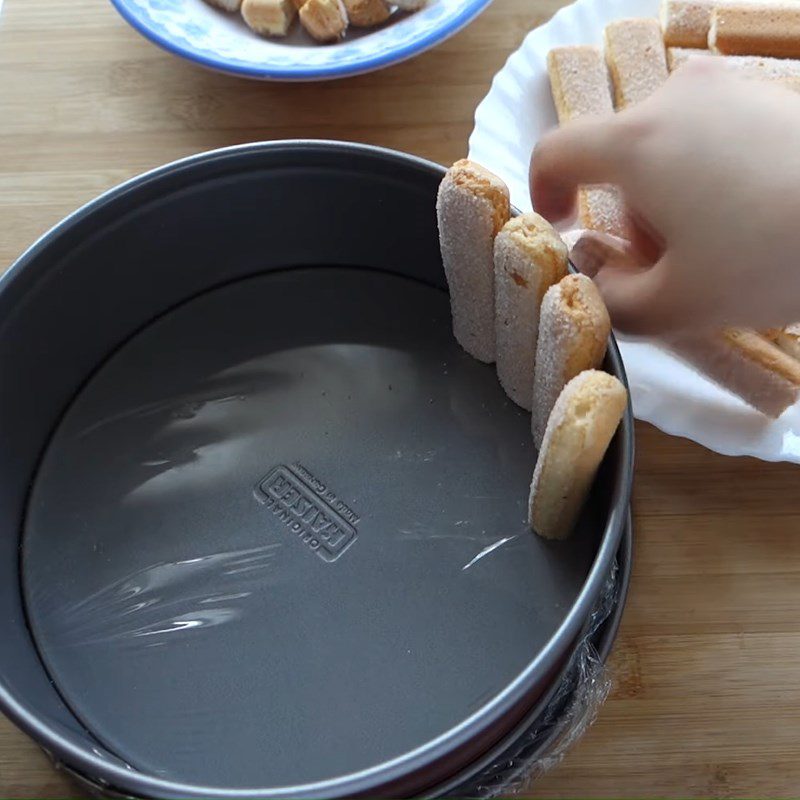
x=279 y=537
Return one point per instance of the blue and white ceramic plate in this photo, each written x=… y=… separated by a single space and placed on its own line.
x=221 y=41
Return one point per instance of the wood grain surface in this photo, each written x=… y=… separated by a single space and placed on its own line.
x=707 y=668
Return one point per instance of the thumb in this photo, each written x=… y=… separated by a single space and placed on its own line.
x=634 y=298
x=635 y=293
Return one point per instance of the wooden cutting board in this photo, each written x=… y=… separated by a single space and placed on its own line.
x=707 y=667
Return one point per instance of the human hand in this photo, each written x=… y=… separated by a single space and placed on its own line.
x=709 y=167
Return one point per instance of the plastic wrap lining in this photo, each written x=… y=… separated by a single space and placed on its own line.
x=570 y=711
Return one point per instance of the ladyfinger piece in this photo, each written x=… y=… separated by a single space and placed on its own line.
x=600 y=208
x=760 y=29
x=269 y=17
x=636 y=59
x=745 y=363
x=324 y=20
x=685 y=23
x=366 y=13
x=529 y=257
x=226 y=5
x=579 y=82
x=579 y=430
x=472 y=207
x=788 y=339
x=777 y=69
x=573 y=334
x=781 y=71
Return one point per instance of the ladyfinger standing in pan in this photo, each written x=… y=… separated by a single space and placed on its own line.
x=471 y=208
x=529 y=257
x=573 y=334
x=579 y=430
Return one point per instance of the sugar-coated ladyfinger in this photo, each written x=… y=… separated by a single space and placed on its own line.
x=579 y=82
x=780 y=71
x=685 y=23
x=745 y=363
x=573 y=335
x=325 y=20
x=529 y=257
x=776 y=69
x=600 y=208
x=763 y=29
x=579 y=429
x=472 y=206
x=269 y=17
x=636 y=59
x=366 y=13
x=580 y=86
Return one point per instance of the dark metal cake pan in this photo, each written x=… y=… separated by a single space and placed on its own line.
x=263 y=522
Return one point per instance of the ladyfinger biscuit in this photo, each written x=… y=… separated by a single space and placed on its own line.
x=366 y=13
x=529 y=257
x=685 y=23
x=745 y=363
x=325 y=20
x=580 y=86
x=781 y=71
x=269 y=17
x=472 y=206
x=752 y=66
x=758 y=29
x=573 y=334
x=579 y=430
x=788 y=339
x=636 y=59
x=579 y=82
x=600 y=208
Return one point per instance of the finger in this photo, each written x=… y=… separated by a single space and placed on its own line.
x=639 y=299
x=582 y=152
x=647 y=245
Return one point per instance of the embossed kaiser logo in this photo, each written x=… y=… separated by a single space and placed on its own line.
x=309 y=509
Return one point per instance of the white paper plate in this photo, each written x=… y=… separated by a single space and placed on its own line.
x=508 y=123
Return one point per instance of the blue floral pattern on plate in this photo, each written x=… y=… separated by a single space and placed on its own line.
x=196 y=31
